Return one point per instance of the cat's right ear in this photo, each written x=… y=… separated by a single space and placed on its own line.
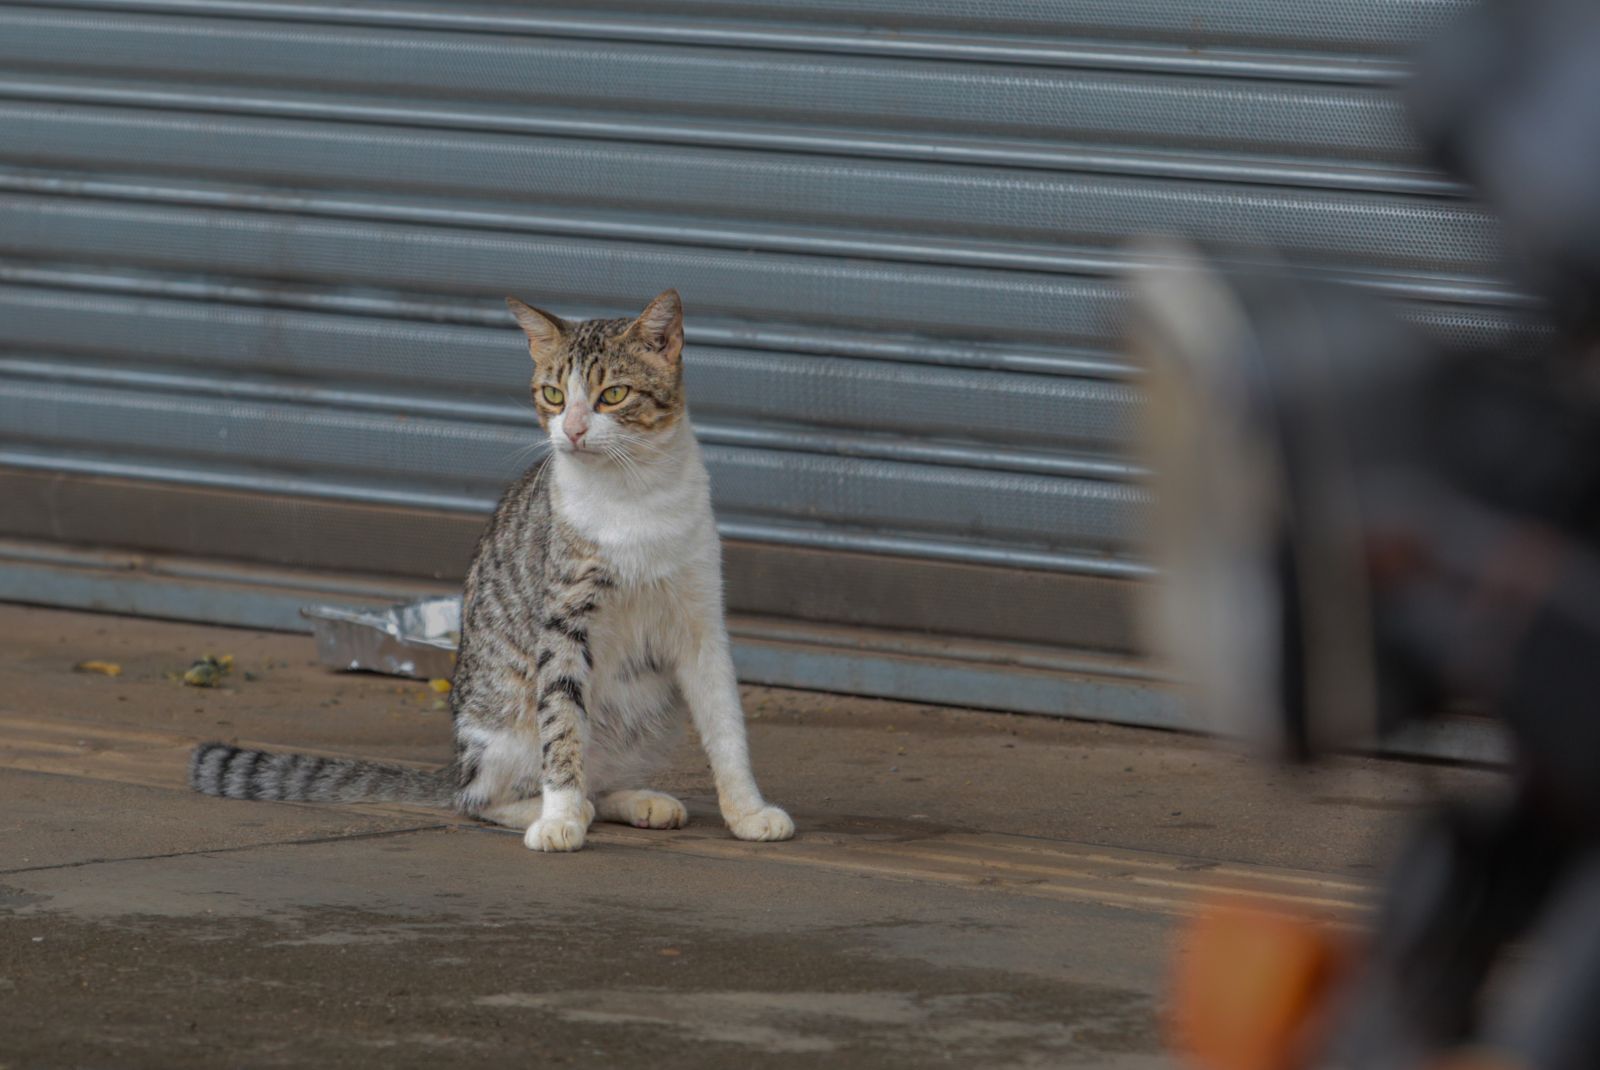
x=544 y=331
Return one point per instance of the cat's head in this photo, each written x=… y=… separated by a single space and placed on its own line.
x=607 y=390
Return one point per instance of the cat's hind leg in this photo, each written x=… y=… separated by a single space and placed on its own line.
x=501 y=769
x=521 y=813
x=518 y=814
x=642 y=809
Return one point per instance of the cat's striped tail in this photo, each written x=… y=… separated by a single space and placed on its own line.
x=241 y=773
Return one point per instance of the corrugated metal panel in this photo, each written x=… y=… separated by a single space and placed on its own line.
x=257 y=247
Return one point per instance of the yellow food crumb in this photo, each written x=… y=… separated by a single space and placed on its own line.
x=208 y=671
x=104 y=668
x=440 y=685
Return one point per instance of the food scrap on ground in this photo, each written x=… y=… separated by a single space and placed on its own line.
x=439 y=685
x=104 y=668
x=208 y=671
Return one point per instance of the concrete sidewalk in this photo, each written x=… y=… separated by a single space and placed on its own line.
x=968 y=887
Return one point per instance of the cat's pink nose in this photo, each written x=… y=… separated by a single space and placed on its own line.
x=576 y=429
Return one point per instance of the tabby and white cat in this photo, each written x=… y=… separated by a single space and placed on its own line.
x=592 y=617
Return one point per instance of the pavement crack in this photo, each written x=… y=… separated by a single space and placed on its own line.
x=307 y=842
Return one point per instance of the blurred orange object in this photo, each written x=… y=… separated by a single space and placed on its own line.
x=1251 y=989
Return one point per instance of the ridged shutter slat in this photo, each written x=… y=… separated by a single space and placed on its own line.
x=258 y=247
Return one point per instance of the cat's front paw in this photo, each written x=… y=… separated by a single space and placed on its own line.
x=556 y=834
x=767 y=823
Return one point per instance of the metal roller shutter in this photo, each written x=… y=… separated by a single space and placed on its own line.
x=252 y=254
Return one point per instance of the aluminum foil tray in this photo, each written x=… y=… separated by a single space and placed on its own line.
x=411 y=639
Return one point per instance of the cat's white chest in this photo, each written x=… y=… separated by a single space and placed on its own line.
x=644 y=543
x=644 y=534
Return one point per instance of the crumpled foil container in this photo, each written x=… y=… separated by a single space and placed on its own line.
x=410 y=639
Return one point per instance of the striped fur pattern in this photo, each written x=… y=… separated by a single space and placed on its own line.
x=592 y=625
x=242 y=773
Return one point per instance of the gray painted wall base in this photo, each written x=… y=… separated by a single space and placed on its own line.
x=767 y=651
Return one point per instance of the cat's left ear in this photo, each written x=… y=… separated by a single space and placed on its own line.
x=660 y=327
x=544 y=331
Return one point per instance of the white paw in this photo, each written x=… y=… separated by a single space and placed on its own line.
x=556 y=834
x=655 y=810
x=767 y=823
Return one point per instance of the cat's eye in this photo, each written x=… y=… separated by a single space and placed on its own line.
x=553 y=395
x=611 y=395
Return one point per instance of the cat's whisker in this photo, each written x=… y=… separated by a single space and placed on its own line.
x=522 y=453
x=641 y=466
x=631 y=470
x=639 y=437
x=653 y=456
x=629 y=463
x=637 y=442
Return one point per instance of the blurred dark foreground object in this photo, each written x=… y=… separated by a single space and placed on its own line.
x=1508 y=100
x=1361 y=528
